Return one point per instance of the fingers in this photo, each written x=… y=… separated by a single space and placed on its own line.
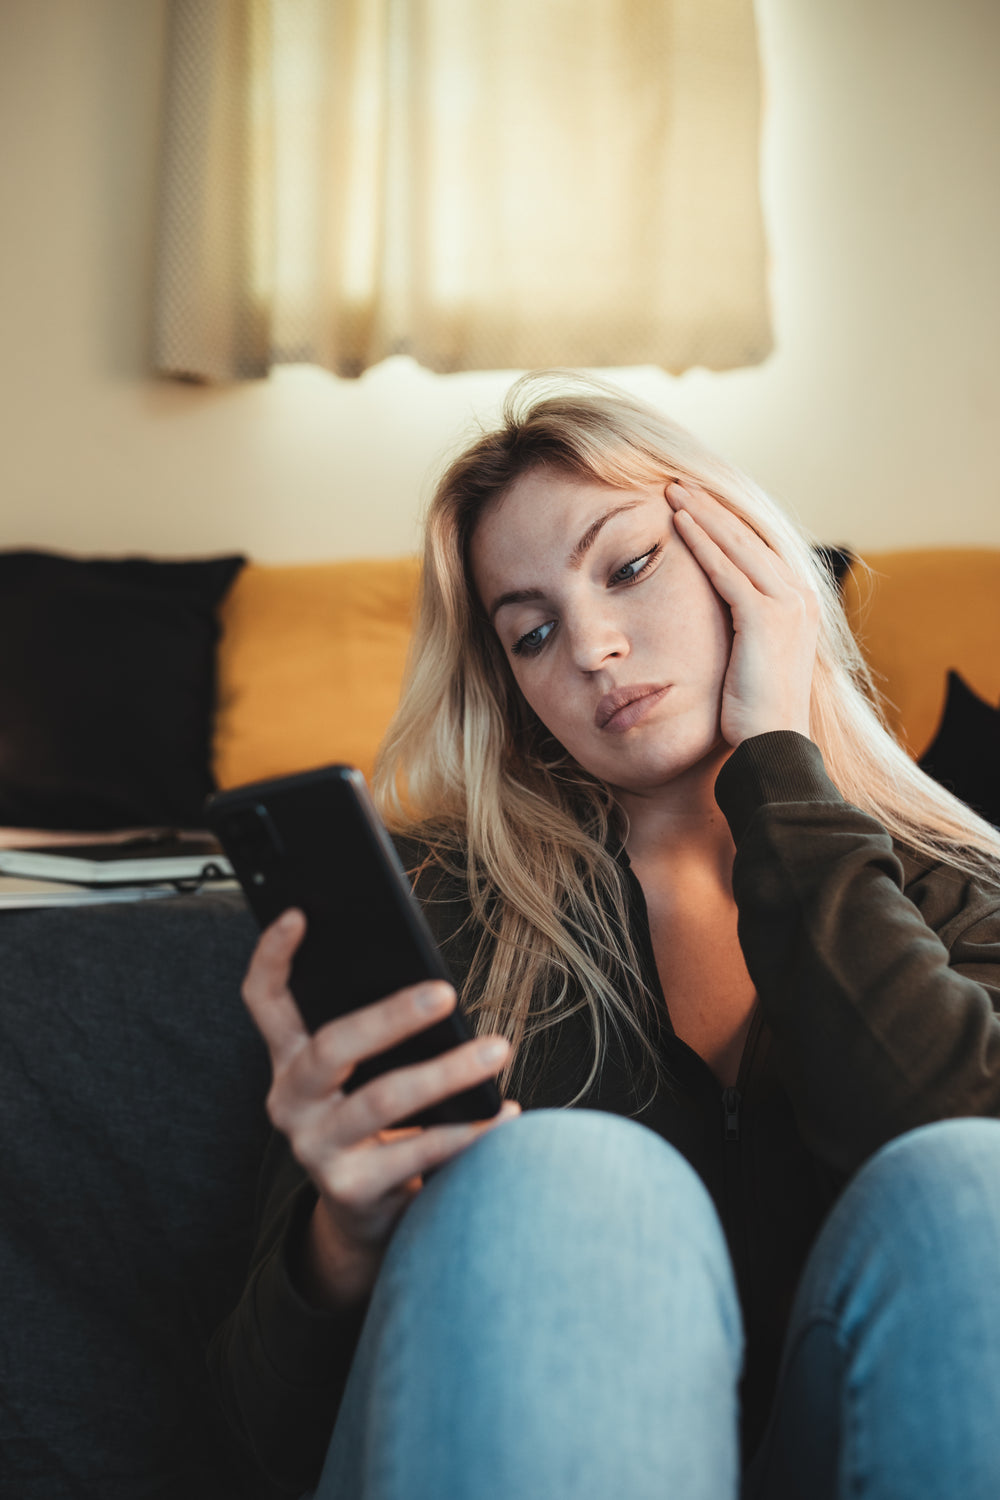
x=403 y=1092
x=359 y=1179
x=364 y=1171
x=310 y=1070
x=366 y=1175
x=362 y=1193
x=323 y=1061
x=265 y=987
x=306 y=1099
x=321 y=1118
x=731 y=553
x=775 y=617
x=335 y=1050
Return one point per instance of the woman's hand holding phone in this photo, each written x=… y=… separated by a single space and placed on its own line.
x=365 y=1171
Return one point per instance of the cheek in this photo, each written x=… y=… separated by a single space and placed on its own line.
x=699 y=621
x=546 y=691
x=542 y=694
x=721 y=625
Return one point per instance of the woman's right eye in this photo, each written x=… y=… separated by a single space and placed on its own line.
x=532 y=641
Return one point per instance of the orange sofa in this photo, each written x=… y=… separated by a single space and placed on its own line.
x=312 y=655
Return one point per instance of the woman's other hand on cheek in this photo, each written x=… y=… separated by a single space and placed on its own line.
x=775 y=618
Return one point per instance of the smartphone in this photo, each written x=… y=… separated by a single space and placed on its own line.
x=315 y=841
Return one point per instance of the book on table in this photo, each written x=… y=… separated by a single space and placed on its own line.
x=177 y=860
x=20 y=893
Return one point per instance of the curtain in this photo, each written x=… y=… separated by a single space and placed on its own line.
x=481 y=184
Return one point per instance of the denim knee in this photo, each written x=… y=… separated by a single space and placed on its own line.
x=548 y=1163
x=555 y=1177
x=606 y=1150
x=920 y=1219
x=556 y=1316
x=939 y=1180
x=892 y=1360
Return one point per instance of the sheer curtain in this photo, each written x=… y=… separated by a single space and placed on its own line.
x=481 y=184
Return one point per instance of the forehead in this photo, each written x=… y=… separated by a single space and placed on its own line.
x=541 y=517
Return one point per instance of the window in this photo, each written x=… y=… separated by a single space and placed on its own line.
x=481 y=184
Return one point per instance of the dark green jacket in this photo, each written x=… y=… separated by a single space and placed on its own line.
x=878 y=977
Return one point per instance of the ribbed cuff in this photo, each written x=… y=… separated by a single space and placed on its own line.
x=305 y=1344
x=778 y=767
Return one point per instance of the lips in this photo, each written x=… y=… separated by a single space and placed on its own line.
x=624 y=706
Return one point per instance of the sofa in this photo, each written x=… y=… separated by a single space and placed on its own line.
x=131 y=1080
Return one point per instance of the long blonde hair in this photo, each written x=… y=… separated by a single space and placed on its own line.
x=468 y=767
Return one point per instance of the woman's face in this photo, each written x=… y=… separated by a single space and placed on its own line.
x=614 y=634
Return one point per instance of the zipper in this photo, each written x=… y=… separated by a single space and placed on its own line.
x=733 y=1194
x=731 y=1101
x=732 y=1097
x=733 y=1163
x=732 y=1155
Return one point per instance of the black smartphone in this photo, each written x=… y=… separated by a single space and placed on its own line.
x=315 y=841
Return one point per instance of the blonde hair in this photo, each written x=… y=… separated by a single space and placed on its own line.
x=468 y=767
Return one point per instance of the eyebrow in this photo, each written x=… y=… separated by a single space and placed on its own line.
x=579 y=552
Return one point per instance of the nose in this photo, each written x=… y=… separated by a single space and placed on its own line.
x=595 y=641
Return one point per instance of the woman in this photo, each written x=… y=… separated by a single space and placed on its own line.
x=685 y=881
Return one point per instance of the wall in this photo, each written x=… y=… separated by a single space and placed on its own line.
x=875 y=419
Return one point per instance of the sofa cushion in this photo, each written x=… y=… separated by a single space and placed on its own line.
x=131 y=1107
x=965 y=753
x=919 y=615
x=107 y=685
x=310 y=665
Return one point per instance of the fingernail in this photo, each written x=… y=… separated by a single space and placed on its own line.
x=494 y=1051
x=287 y=921
x=432 y=997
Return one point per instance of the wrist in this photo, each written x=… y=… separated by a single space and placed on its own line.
x=329 y=1272
x=775 y=767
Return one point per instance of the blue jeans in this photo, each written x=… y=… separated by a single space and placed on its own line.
x=556 y=1319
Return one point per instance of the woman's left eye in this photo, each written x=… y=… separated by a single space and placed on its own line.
x=631 y=571
x=532 y=641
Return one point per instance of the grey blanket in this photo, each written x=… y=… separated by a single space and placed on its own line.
x=131 y=1112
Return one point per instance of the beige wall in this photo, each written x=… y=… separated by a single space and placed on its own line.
x=876 y=419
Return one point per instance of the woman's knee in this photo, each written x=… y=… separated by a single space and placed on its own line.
x=563 y=1165
x=918 y=1225
x=609 y=1152
x=561 y=1299
x=571 y=1194
x=894 y=1346
x=939 y=1179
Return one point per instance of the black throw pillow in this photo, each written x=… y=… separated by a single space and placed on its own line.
x=837 y=561
x=965 y=753
x=107 y=688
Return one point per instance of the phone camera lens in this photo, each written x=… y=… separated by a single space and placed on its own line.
x=252 y=840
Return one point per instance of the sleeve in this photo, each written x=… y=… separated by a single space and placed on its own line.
x=278 y=1364
x=881 y=992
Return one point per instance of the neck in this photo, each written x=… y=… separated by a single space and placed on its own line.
x=681 y=824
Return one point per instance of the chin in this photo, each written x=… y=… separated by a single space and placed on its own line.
x=649 y=774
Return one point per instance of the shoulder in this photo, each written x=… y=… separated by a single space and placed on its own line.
x=957 y=905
